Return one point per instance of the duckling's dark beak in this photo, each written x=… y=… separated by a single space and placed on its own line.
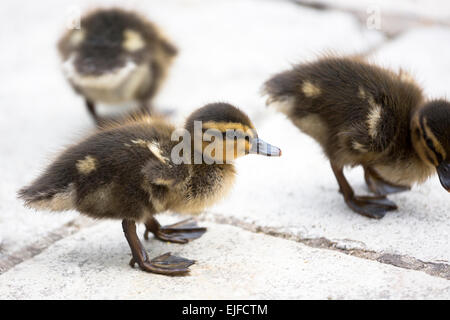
x=259 y=146
x=443 y=171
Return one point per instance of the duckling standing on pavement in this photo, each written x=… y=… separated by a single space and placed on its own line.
x=115 y=57
x=362 y=114
x=131 y=171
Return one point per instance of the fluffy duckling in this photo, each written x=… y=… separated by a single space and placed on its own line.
x=115 y=57
x=362 y=114
x=134 y=170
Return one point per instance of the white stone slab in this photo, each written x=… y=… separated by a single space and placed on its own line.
x=231 y=264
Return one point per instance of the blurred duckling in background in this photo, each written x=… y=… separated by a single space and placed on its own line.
x=362 y=114
x=115 y=57
x=127 y=172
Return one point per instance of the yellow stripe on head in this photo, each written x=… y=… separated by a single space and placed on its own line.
x=224 y=126
x=436 y=144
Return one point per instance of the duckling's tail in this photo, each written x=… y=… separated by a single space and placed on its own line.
x=280 y=85
x=281 y=90
x=40 y=197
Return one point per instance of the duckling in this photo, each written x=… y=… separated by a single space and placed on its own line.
x=116 y=56
x=363 y=114
x=134 y=170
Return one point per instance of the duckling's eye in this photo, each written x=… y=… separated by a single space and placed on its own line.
x=247 y=138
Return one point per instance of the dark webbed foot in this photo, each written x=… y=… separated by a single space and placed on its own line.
x=372 y=207
x=380 y=186
x=180 y=232
x=165 y=264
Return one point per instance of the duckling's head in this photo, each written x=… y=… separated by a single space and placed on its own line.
x=431 y=137
x=110 y=40
x=222 y=133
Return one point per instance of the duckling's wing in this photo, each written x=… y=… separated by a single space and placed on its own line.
x=164 y=172
x=374 y=130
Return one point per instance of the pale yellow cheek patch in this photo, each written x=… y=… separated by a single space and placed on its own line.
x=86 y=165
x=310 y=90
x=133 y=41
x=77 y=37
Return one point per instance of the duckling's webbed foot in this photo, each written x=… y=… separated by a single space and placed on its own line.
x=380 y=186
x=372 y=207
x=180 y=232
x=166 y=264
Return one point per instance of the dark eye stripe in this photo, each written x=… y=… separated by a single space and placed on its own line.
x=236 y=135
x=429 y=142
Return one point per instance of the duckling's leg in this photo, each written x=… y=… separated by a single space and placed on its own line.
x=380 y=186
x=91 y=108
x=165 y=264
x=372 y=207
x=180 y=232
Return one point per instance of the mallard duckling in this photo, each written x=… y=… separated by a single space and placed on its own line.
x=362 y=114
x=116 y=56
x=134 y=170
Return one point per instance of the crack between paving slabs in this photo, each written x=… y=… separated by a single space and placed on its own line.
x=441 y=270
x=7 y=261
